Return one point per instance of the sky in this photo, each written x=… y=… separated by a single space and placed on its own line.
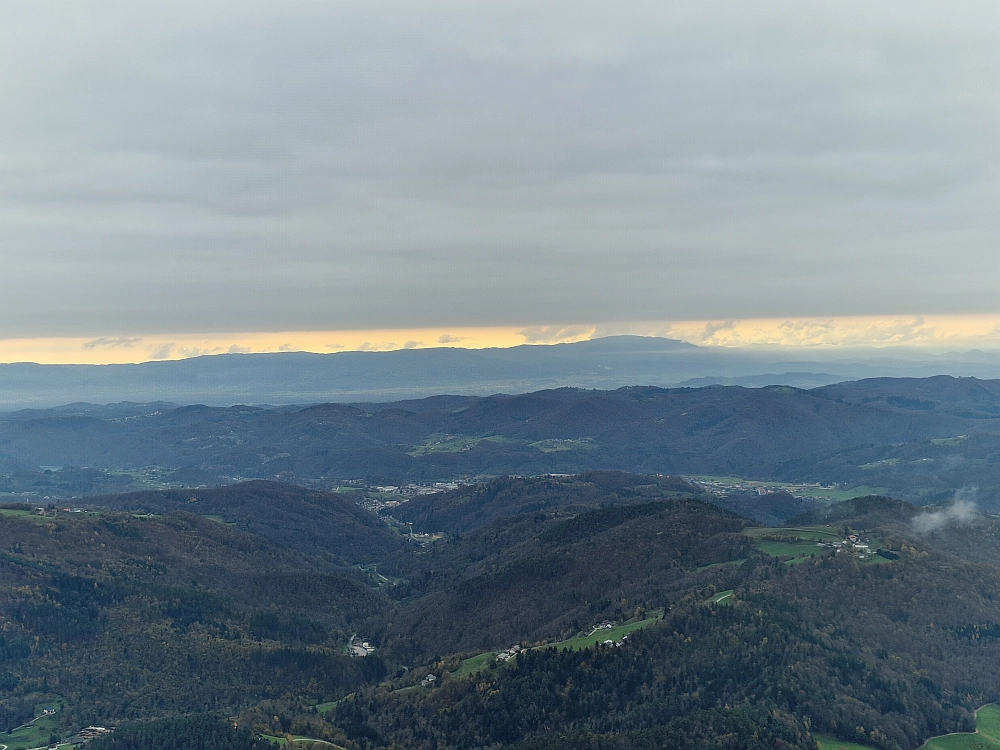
x=198 y=177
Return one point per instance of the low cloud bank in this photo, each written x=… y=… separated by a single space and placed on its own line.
x=961 y=512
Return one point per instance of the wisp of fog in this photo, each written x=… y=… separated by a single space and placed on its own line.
x=961 y=512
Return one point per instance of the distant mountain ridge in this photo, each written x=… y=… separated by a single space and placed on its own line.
x=604 y=363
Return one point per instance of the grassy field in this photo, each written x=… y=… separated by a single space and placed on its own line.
x=325 y=708
x=723 y=597
x=796 y=551
x=721 y=564
x=829 y=742
x=555 y=445
x=987 y=733
x=480 y=662
x=594 y=639
x=450 y=444
x=27 y=515
x=813 y=491
x=950 y=441
x=474 y=665
x=38 y=732
x=797 y=545
x=837 y=495
x=300 y=741
x=800 y=533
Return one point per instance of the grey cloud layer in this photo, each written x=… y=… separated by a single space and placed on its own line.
x=264 y=166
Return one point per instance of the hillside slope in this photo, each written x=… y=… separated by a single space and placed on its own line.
x=313 y=523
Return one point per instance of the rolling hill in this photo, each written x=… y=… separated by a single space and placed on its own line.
x=920 y=439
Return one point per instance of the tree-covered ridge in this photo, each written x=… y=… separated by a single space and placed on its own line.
x=880 y=654
x=738 y=728
x=315 y=523
x=126 y=616
x=920 y=438
x=182 y=733
x=471 y=507
x=546 y=576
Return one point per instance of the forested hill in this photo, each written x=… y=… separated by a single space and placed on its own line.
x=738 y=636
x=919 y=439
x=473 y=506
x=324 y=524
x=886 y=650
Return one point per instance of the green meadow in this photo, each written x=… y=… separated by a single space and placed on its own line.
x=986 y=736
x=987 y=733
x=38 y=732
x=723 y=597
x=480 y=662
x=829 y=742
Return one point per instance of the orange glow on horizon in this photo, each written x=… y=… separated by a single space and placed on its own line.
x=932 y=332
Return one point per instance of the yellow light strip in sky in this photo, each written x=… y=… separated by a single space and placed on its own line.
x=936 y=332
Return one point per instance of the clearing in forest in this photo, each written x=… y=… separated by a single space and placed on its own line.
x=596 y=637
x=986 y=736
x=39 y=730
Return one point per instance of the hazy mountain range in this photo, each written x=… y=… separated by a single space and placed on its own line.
x=605 y=363
x=921 y=439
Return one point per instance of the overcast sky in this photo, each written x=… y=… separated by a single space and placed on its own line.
x=289 y=166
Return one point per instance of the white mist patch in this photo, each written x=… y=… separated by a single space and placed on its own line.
x=961 y=512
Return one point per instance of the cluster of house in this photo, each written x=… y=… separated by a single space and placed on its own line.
x=52 y=511
x=428 y=681
x=361 y=649
x=89 y=733
x=853 y=545
x=616 y=644
x=508 y=654
x=378 y=503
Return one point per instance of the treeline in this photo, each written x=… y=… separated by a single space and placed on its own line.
x=14 y=712
x=737 y=728
x=181 y=733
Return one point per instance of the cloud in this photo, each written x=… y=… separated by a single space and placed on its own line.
x=288 y=348
x=335 y=347
x=790 y=164
x=555 y=334
x=202 y=351
x=237 y=349
x=385 y=346
x=412 y=344
x=447 y=338
x=122 y=341
x=711 y=329
x=162 y=351
x=961 y=512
